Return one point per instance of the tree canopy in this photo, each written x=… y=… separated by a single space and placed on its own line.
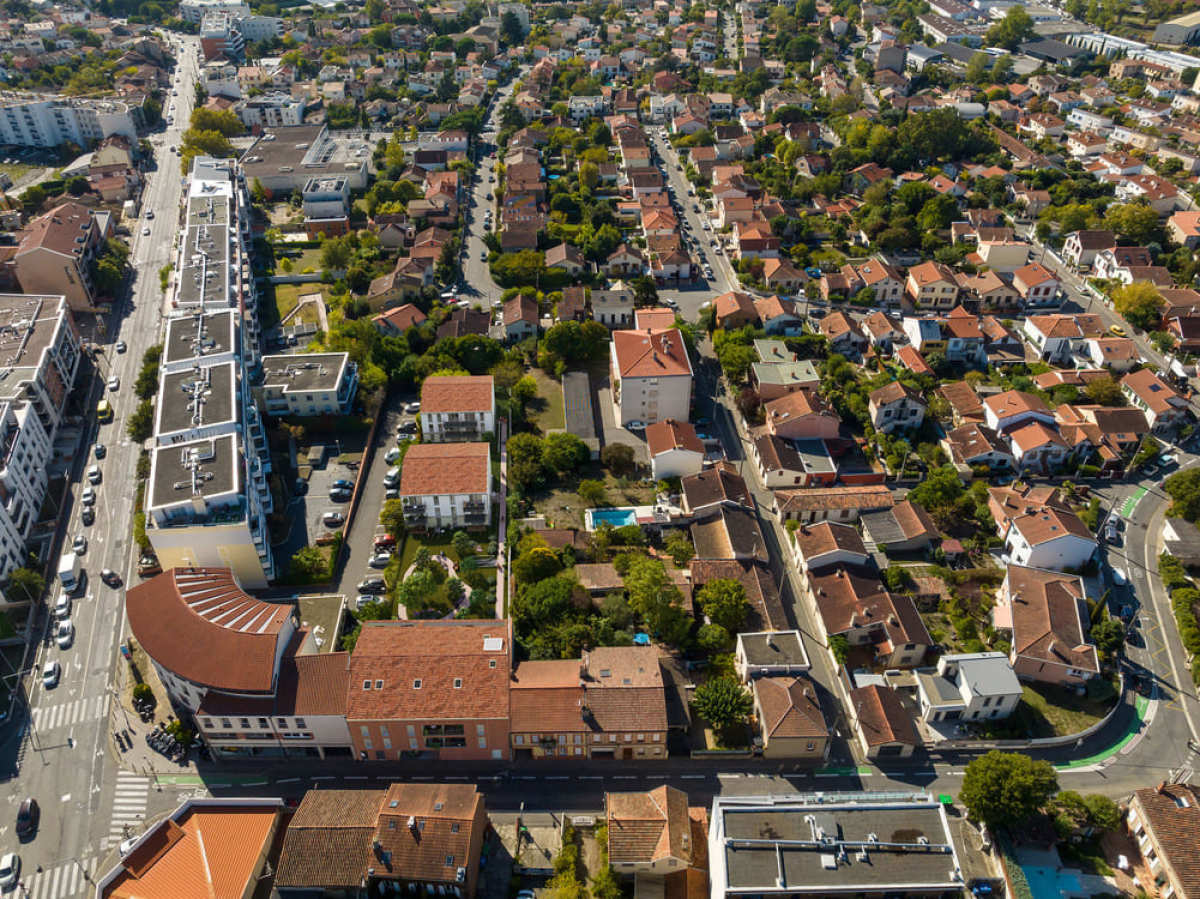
x=1005 y=789
x=1139 y=303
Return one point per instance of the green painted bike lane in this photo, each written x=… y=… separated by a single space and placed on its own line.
x=1140 y=707
x=1132 y=501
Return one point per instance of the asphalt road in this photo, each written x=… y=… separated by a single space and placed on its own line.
x=61 y=752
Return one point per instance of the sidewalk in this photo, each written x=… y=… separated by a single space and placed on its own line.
x=141 y=758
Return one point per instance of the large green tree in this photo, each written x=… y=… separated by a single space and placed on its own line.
x=723 y=600
x=1139 y=303
x=1006 y=789
x=723 y=702
x=1014 y=28
x=654 y=596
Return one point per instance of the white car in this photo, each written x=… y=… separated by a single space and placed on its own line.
x=93 y=474
x=128 y=845
x=146 y=232
x=363 y=599
x=392 y=455
x=79 y=544
x=114 y=383
x=88 y=497
x=10 y=870
x=62 y=608
x=65 y=635
x=51 y=672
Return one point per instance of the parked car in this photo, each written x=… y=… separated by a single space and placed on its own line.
x=88 y=497
x=62 y=608
x=28 y=815
x=373 y=585
x=339 y=496
x=51 y=672
x=10 y=871
x=392 y=455
x=87 y=516
x=121 y=347
x=380 y=560
x=333 y=519
x=100 y=450
x=64 y=636
x=114 y=384
x=79 y=544
x=363 y=599
x=343 y=484
x=94 y=475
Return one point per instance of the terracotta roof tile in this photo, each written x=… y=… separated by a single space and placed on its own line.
x=445 y=469
x=1172 y=813
x=1045 y=618
x=646 y=827
x=457 y=393
x=650 y=354
x=790 y=707
x=667 y=435
x=882 y=718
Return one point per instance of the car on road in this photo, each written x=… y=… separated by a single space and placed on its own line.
x=374 y=585
x=392 y=455
x=114 y=383
x=88 y=497
x=110 y=577
x=79 y=544
x=64 y=636
x=636 y=425
x=1117 y=330
x=483 y=255
x=28 y=815
x=339 y=496
x=149 y=213
x=100 y=450
x=343 y=484
x=146 y=231
x=380 y=560
x=10 y=871
x=87 y=516
x=333 y=519
x=1119 y=577
x=93 y=474
x=51 y=672
x=121 y=347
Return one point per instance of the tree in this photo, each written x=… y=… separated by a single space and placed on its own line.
x=24 y=584
x=723 y=702
x=335 y=253
x=617 y=458
x=1005 y=789
x=1105 y=392
x=1108 y=635
x=391 y=516
x=563 y=453
x=645 y=293
x=977 y=67
x=77 y=186
x=1102 y=812
x=524 y=460
x=463 y=543
x=1139 y=303
x=223 y=121
x=1014 y=28
x=723 y=600
x=592 y=492
x=511 y=30
x=1184 y=489
x=679 y=547
x=523 y=392
x=1137 y=222
x=589 y=175
x=654 y=596
x=141 y=423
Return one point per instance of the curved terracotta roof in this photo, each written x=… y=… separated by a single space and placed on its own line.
x=200 y=625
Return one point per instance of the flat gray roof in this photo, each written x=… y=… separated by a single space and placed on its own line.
x=304 y=372
x=815 y=456
x=774 y=648
x=882 y=527
x=202 y=468
x=990 y=676
x=940 y=689
x=204 y=278
x=577 y=405
x=28 y=325
x=812 y=848
x=192 y=336
x=197 y=399
x=306 y=150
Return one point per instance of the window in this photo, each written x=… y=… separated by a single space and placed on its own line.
x=417 y=684
x=366 y=685
x=519 y=740
x=655 y=737
x=283 y=722
x=449 y=860
x=458 y=683
x=208 y=723
x=300 y=723
x=482 y=742
x=244 y=723
x=380 y=755
x=378 y=685
x=629 y=738
x=225 y=723
x=262 y=722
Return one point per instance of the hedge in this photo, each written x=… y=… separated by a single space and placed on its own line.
x=1185 y=598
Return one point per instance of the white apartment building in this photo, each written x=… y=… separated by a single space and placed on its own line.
x=651 y=376
x=30 y=120
x=272 y=110
x=208 y=496
x=457 y=408
x=308 y=384
x=326 y=197
x=39 y=355
x=195 y=10
x=447 y=485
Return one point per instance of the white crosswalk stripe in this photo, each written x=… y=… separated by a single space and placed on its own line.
x=129 y=807
x=63 y=881
x=66 y=714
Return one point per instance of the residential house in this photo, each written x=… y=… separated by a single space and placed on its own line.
x=973 y=686
x=842 y=334
x=814 y=504
x=674 y=448
x=931 y=285
x=457 y=408
x=1037 y=285
x=1004 y=411
x=651 y=376
x=801 y=415
x=395 y=322
x=55 y=252
x=903 y=528
x=790 y=721
x=704 y=493
x=974 y=445
x=1164 y=407
x=896 y=406
x=827 y=544
x=447 y=485
x=858 y=607
x=613 y=308
x=1164 y=820
x=1048 y=537
x=885 y=728
x=1080 y=247
x=520 y=318
x=1045 y=613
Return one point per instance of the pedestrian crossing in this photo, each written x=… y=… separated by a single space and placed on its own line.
x=64 y=881
x=66 y=714
x=129 y=808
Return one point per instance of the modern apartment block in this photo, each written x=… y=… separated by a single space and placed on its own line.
x=38 y=120
x=308 y=384
x=195 y=10
x=447 y=486
x=208 y=497
x=39 y=357
x=456 y=408
x=271 y=110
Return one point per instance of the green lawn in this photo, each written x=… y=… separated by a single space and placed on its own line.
x=1052 y=711
x=547 y=408
x=563 y=507
x=16 y=170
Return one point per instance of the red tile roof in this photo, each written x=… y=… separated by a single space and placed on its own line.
x=200 y=625
x=445 y=469
x=457 y=393
x=667 y=435
x=650 y=354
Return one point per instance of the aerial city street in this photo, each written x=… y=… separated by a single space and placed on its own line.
x=534 y=450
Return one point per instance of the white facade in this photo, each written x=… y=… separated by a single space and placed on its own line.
x=37 y=121
x=974 y=686
x=444 y=427
x=272 y=111
x=1068 y=551
x=195 y=10
x=308 y=384
x=451 y=510
x=326 y=198
x=676 y=463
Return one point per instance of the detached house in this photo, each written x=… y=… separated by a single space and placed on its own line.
x=896 y=406
x=931 y=285
x=858 y=607
x=457 y=408
x=1045 y=613
x=1164 y=407
x=1050 y=538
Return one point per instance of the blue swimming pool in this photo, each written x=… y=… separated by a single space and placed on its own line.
x=1046 y=883
x=616 y=517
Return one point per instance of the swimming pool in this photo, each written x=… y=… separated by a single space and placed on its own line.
x=616 y=517
x=1046 y=883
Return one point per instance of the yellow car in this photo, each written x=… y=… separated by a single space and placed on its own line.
x=1117 y=330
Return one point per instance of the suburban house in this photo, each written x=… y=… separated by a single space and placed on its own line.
x=904 y=528
x=651 y=376
x=1164 y=407
x=1048 y=538
x=447 y=485
x=884 y=726
x=55 y=252
x=674 y=449
x=613 y=308
x=973 y=444
x=791 y=724
x=520 y=318
x=859 y=608
x=931 y=285
x=895 y=407
x=1165 y=822
x=706 y=493
x=826 y=544
x=1007 y=410
x=457 y=408
x=974 y=686
x=801 y=415
x=1044 y=611
x=770 y=654
x=660 y=840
